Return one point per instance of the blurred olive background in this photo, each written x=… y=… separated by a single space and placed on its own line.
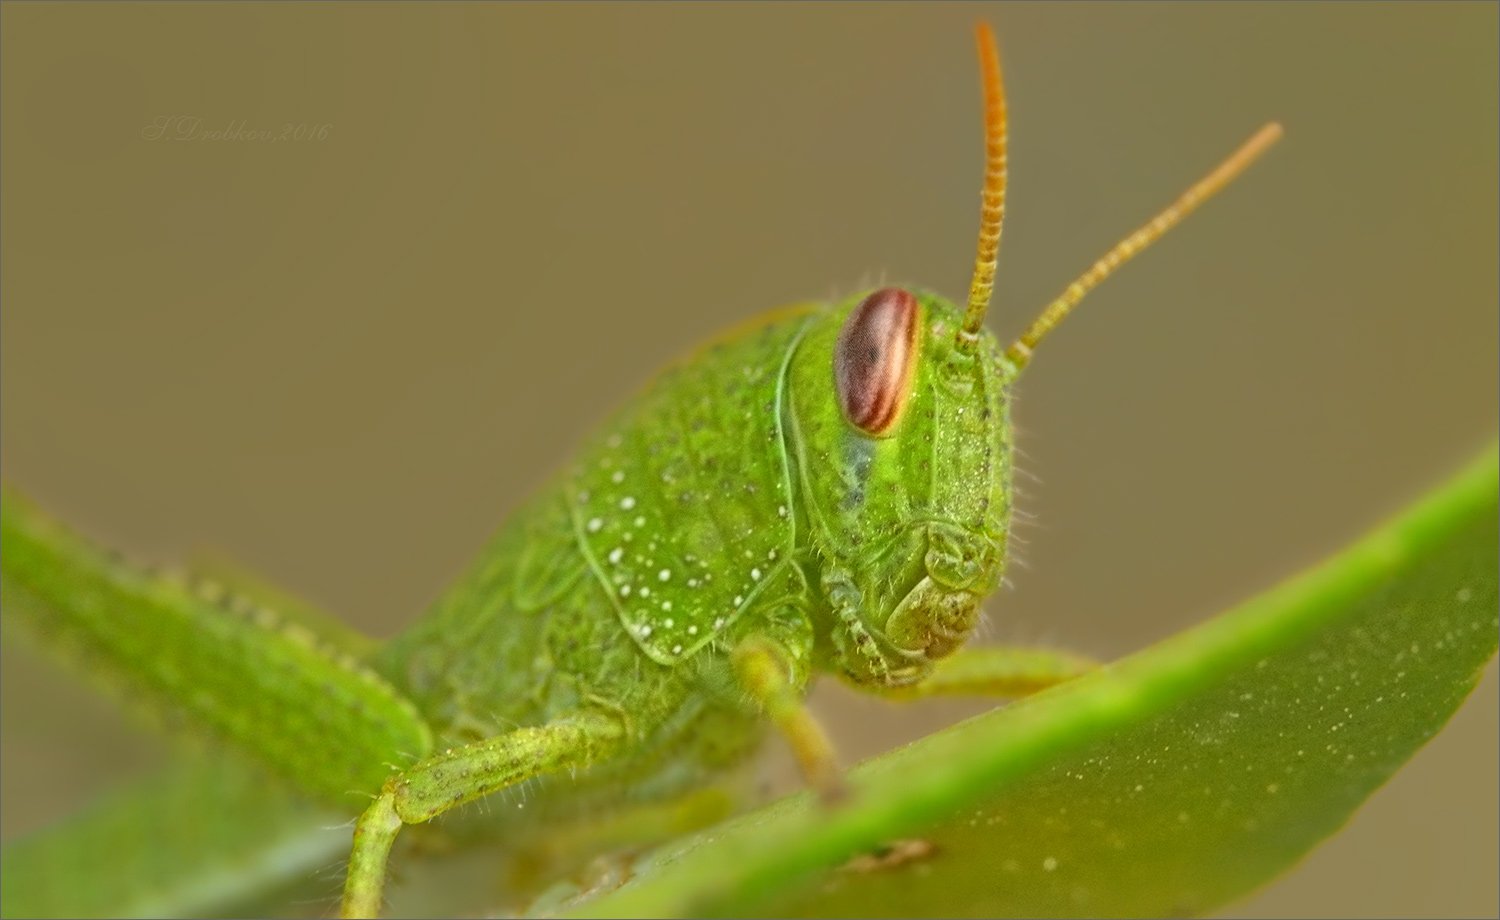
x=344 y=359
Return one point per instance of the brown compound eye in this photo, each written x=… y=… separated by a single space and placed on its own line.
x=874 y=360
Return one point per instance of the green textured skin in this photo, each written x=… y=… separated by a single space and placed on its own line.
x=730 y=499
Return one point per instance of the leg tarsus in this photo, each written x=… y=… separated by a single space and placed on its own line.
x=997 y=670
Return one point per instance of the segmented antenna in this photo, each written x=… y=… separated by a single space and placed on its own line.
x=992 y=209
x=1020 y=351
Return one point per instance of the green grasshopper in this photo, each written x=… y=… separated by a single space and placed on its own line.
x=825 y=489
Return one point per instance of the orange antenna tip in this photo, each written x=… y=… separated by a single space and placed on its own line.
x=992 y=207
x=1236 y=163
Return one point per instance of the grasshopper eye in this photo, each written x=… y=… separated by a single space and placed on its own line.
x=874 y=360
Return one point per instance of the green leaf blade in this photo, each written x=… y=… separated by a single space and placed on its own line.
x=1169 y=783
x=198 y=839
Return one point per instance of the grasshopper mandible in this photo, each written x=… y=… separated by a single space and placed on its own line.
x=825 y=489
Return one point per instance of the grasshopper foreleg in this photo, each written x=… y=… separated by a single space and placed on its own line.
x=429 y=788
x=998 y=670
x=761 y=664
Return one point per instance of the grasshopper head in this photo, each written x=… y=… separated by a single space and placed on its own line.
x=899 y=421
x=900 y=431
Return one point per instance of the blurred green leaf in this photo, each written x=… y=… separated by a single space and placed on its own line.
x=1166 y=784
x=207 y=833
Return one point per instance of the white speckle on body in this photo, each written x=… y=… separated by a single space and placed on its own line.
x=627 y=502
x=664 y=574
x=594 y=524
x=615 y=554
x=617 y=476
x=1050 y=863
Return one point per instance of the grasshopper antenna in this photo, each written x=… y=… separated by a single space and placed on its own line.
x=992 y=208
x=1020 y=351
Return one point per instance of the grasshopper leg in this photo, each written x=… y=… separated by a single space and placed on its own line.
x=432 y=786
x=998 y=670
x=198 y=656
x=761 y=664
